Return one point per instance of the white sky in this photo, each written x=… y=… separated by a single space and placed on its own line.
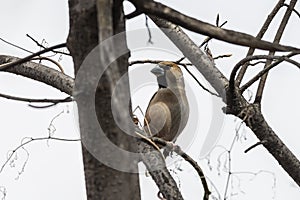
x=55 y=170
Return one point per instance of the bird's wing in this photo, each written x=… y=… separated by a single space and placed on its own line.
x=157 y=118
x=161 y=115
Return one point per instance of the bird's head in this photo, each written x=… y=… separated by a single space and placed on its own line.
x=168 y=74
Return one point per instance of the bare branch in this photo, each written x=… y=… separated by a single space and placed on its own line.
x=202 y=86
x=160 y=10
x=277 y=38
x=51 y=60
x=28 y=58
x=194 y=164
x=207 y=39
x=40 y=73
x=42 y=46
x=253 y=146
x=222 y=56
x=268 y=68
x=278 y=59
x=14 y=45
x=261 y=33
x=55 y=101
x=294 y=10
x=30 y=141
x=148 y=29
x=156 y=166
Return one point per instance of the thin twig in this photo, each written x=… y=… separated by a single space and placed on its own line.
x=255 y=145
x=67 y=99
x=144 y=62
x=51 y=60
x=5 y=66
x=148 y=29
x=176 y=62
x=32 y=140
x=14 y=45
x=135 y=62
x=229 y=158
x=222 y=56
x=42 y=46
x=202 y=86
x=207 y=39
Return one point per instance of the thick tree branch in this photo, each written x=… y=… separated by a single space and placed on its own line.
x=160 y=10
x=40 y=73
x=192 y=162
x=156 y=166
x=269 y=139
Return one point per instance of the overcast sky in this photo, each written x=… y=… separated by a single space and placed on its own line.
x=54 y=170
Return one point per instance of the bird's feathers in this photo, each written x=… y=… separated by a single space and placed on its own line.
x=161 y=114
x=168 y=110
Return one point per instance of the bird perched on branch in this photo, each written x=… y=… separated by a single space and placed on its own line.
x=168 y=111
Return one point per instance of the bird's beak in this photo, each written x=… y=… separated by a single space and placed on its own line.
x=157 y=71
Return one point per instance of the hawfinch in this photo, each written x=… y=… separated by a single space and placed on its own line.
x=168 y=110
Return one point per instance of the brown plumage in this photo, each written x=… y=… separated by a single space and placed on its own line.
x=168 y=110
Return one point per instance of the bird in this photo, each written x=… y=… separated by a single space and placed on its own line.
x=168 y=110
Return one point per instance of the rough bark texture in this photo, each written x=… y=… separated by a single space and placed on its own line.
x=102 y=182
x=156 y=166
x=40 y=73
x=251 y=114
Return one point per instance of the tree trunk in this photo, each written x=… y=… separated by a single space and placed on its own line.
x=102 y=182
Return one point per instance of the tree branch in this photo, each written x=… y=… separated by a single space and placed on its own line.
x=28 y=58
x=278 y=59
x=42 y=46
x=236 y=103
x=30 y=141
x=261 y=33
x=191 y=51
x=160 y=10
x=40 y=73
x=277 y=38
x=265 y=70
x=194 y=164
x=55 y=101
x=156 y=166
